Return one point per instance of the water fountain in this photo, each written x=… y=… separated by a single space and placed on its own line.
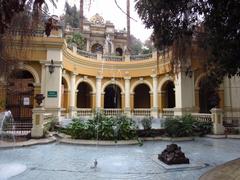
x=8 y=170
x=7 y=126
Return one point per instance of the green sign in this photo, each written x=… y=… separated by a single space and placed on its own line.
x=52 y=94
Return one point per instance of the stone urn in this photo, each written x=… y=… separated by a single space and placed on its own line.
x=173 y=155
x=39 y=98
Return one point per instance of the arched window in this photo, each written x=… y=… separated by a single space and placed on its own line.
x=112 y=96
x=142 y=96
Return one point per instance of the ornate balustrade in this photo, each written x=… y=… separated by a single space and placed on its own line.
x=168 y=112
x=141 y=112
x=202 y=117
x=30 y=32
x=84 y=112
x=140 y=57
x=231 y=121
x=112 y=112
x=87 y=54
x=113 y=58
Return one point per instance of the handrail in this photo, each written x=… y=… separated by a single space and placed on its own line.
x=112 y=111
x=87 y=54
x=140 y=57
x=168 y=112
x=29 y=32
x=113 y=58
x=141 y=112
x=84 y=112
x=202 y=117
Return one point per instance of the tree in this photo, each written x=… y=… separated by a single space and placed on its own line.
x=147 y=46
x=71 y=16
x=135 y=45
x=175 y=21
x=77 y=39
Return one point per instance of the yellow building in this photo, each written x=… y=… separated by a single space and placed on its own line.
x=81 y=83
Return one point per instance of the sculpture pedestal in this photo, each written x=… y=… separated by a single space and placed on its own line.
x=37 y=120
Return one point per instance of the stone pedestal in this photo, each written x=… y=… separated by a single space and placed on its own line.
x=154 y=112
x=217 y=119
x=38 y=117
x=127 y=111
x=72 y=112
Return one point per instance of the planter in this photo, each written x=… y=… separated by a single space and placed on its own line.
x=177 y=139
x=150 y=132
x=233 y=136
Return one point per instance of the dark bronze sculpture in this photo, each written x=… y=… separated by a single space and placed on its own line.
x=173 y=155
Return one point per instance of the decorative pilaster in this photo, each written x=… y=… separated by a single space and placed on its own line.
x=98 y=92
x=155 y=96
x=72 y=107
x=88 y=45
x=127 y=108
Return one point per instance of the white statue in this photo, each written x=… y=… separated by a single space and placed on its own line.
x=108 y=45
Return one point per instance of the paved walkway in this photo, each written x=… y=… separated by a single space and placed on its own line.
x=227 y=171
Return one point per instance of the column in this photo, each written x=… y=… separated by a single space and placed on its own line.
x=155 y=96
x=184 y=93
x=161 y=101
x=88 y=45
x=72 y=108
x=53 y=80
x=53 y=83
x=98 y=92
x=127 y=108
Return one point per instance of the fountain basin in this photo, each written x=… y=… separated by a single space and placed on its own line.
x=9 y=170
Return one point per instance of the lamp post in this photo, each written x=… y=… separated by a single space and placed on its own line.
x=189 y=72
x=51 y=67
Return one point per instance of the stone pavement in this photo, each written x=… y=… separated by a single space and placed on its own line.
x=227 y=171
x=128 y=162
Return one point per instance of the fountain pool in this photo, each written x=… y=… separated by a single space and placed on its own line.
x=60 y=161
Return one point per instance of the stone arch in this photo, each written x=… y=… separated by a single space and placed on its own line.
x=135 y=84
x=113 y=82
x=163 y=81
x=206 y=95
x=64 y=92
x=198 y=79
x=119 y=51
x=97 y=47
x=32 y=71
x=89 y=81
x=140 y=91
x=66 y=78
x=112 y=96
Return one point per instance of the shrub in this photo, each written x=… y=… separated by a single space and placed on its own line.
x=202 y=128
x=180 y=126
x=126 y=127
x=51 y=124
x=147 y=123
x=103 y=128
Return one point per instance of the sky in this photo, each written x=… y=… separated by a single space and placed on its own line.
x=109 y=11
